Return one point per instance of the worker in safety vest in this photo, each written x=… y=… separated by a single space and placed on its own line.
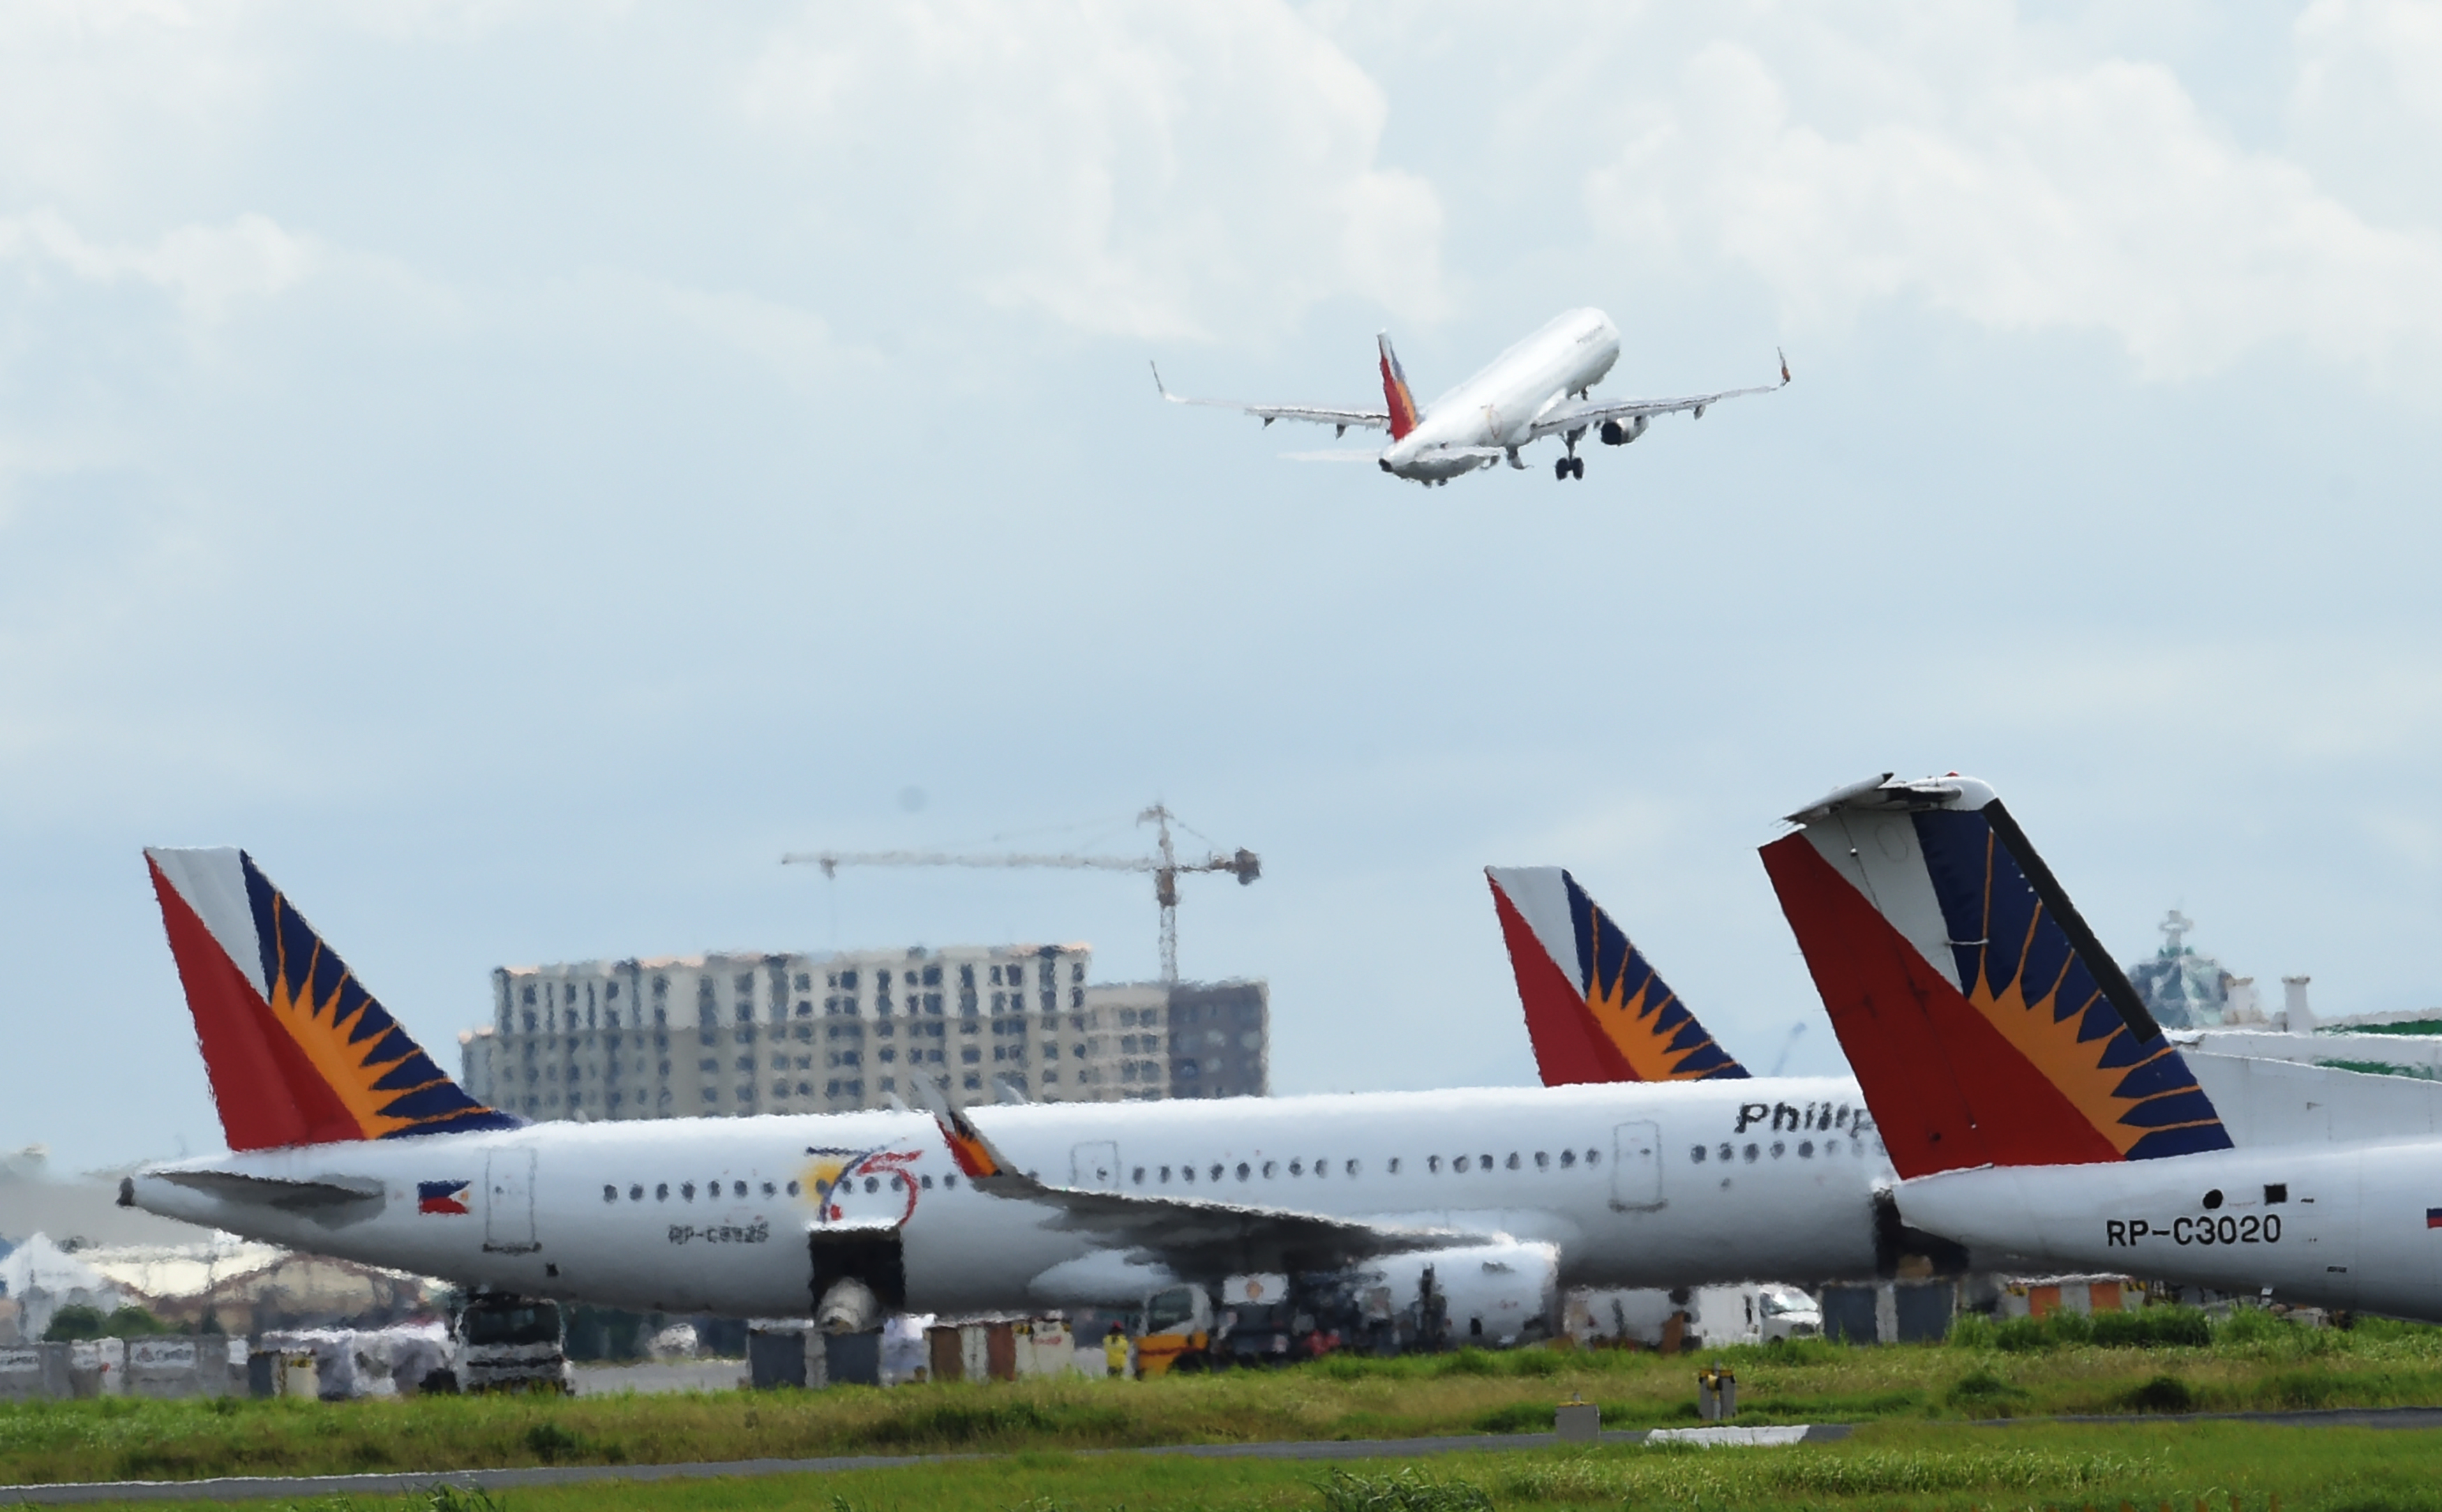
x=1115 y=1351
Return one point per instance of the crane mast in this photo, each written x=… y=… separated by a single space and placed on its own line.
x=1164 y=864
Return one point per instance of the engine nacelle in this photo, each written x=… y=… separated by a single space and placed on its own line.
x=1485 y=1295
x=1615 y=434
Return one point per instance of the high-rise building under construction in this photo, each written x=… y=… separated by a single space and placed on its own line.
x=733 y=1034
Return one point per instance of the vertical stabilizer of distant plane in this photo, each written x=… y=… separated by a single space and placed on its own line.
x=298 y=1051
x=1985 y=1023
x=1595 y=1008
x=1396 y=395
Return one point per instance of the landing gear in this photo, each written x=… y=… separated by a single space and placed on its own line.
x=1571 y=466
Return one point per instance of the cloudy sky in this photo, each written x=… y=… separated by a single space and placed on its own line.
x=518 y=468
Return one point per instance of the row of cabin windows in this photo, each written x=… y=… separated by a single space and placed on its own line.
x=1463 y=1164
x=1750 y=1154
x=687 y=1192
x=1248 y=1171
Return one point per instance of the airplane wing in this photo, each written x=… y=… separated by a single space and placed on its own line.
x=1191 y=1236
x=1194 y=1238
x=1585 y=413
x=1342 y=419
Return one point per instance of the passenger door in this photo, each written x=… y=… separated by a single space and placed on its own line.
x=1095 y=1167
x=1636 y=1166
x=508 y=1201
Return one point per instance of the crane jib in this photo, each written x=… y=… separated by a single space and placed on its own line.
x=1164 y=864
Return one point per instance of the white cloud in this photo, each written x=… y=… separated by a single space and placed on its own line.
x=2365 y=103
x=206 y=268
x=1981 y=172
x=1188 y=170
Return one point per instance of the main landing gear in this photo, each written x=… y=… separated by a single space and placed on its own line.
x=1571 y=466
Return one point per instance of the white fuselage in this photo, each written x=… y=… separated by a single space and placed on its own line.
x=2348 y=1226
x=1673 y=1184
x=1498 y=407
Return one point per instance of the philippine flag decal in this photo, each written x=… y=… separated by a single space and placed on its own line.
x=2434 y=1217
x=442 y=1196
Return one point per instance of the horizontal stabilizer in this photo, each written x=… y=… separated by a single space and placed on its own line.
x=275 y=1192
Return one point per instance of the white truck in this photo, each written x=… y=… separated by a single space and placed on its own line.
x=1707 y=1317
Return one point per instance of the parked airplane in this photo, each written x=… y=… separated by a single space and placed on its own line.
x=1539 y=387
x=2032 y=1105
x=346 y=1140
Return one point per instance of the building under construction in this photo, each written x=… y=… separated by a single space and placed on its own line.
x=735 y=1035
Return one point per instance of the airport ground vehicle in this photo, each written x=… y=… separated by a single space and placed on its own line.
x=511 y=1344
x=1693 y=1317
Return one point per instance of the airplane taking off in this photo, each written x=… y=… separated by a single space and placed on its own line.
x=1539 y=387
x=346 y=1140
x=2030 y=1103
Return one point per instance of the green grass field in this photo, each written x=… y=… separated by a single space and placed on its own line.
x=2141 y=1467
x=2252 y=1363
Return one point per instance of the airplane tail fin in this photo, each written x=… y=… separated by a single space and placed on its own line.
x=1595 y=1008
x=1986 y=1024
x=1395 y=395
x=298 y=1051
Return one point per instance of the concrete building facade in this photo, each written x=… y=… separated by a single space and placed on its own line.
x=737 y=1035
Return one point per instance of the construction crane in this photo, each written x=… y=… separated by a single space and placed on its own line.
x=1164 y=864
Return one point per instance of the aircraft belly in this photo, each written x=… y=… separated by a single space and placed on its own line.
x=2317 y=1228
x=1815 y=1228
x=972 y=1259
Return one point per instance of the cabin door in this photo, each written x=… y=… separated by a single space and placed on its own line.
x=1636 y=1166
x=508 y=1201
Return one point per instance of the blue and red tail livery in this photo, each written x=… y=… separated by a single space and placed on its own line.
x=299 y=1052
x=1595 y=1008
x=1985 y=1023
x=1396 y=395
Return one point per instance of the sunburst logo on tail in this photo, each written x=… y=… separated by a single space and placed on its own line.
x=299 y=1051
x=2021 y=971
x=1635 y=1009
x=1595 y=1007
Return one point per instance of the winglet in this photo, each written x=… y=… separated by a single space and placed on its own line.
x=1158 y=386
x=967 y=1144
x=1777 y=352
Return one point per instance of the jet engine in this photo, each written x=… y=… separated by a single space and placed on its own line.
x=1485 y=1295
x=847 y=1306
x=1615 y=434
